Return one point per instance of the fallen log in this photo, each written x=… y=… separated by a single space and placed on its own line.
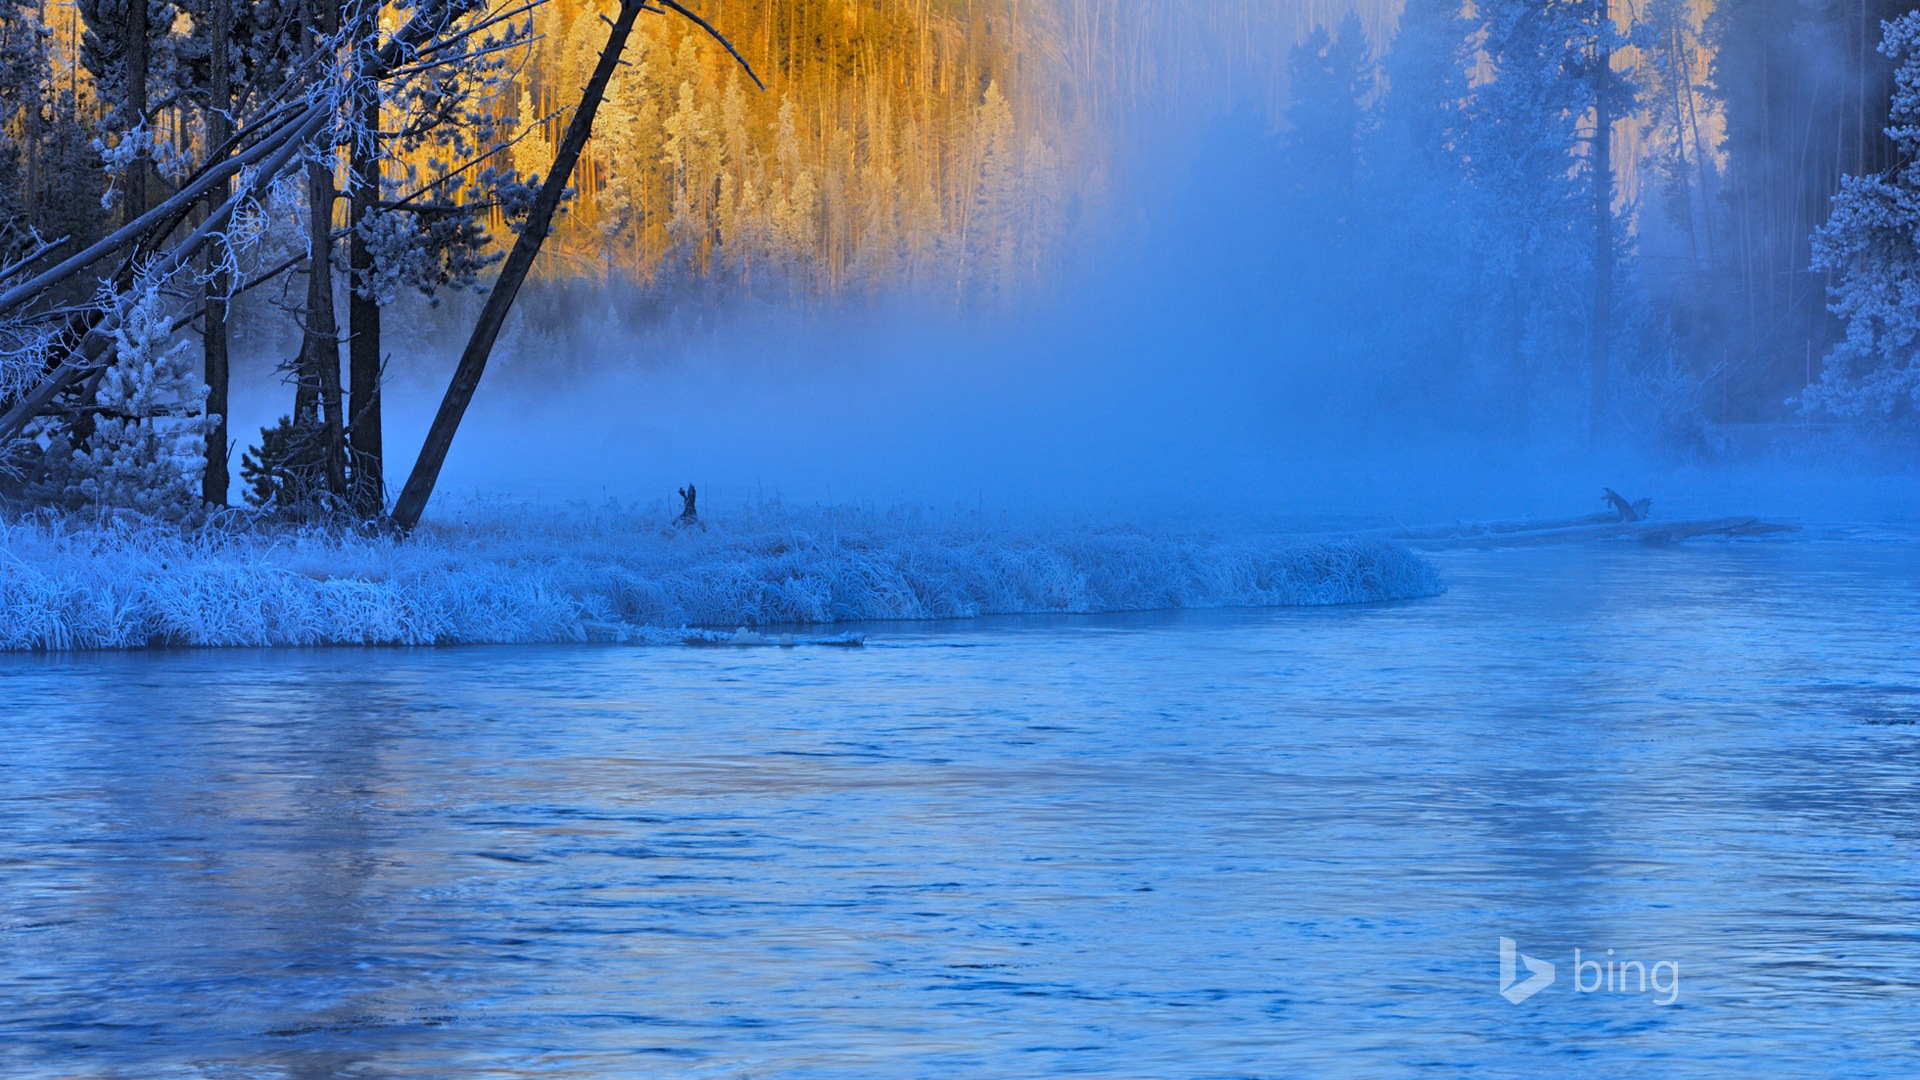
x=1653 y=532
x=1463 y=529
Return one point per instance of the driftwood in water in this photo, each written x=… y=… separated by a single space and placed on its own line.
x=1627 y=520
x=1467 y=530
x=1516 y=534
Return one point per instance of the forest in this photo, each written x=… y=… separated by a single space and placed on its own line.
x=1564 y=219
x=862 y=539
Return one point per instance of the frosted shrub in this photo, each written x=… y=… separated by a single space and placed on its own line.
x=24 y=349
x=149 y=445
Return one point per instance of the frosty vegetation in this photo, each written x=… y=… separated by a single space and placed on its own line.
x=1476 y=210
x=1559 y=223
x=1872 y=245
x=149 y=440
x=615 y=574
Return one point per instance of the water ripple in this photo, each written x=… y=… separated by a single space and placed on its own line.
x=1253 y=843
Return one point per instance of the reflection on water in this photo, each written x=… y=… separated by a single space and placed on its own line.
x=1204 y=844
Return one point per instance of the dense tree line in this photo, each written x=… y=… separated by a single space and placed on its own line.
x=949 y=144
x=899 y=147
x=1870 y=246
x=349 y=143
x=1805 y=92
x=1566 y=215
x=1476 y=261
x=1462 y=230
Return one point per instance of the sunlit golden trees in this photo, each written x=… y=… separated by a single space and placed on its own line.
x=893 y=148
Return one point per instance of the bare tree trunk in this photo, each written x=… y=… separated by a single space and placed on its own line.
x=213 y=336
x=1602 y=345
x=363 y=312
x=1679 y=79
x=136 y=105
x=1699 y=156
x=319 y=387
x=473 y=361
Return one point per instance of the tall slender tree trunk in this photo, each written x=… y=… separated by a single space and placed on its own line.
x=1679 y=80
x=213 y=337
x=1700 y=159
x=363 y=311
x=306 y=382
x=137 y=46
x=1602 y=344
x=320 y=344
x=473 y=361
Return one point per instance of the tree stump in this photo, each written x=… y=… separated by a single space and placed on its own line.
x=689 y=516
x=1628 y=511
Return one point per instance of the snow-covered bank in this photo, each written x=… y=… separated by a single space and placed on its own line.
x=507 y=575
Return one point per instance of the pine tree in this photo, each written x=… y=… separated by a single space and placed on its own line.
x=1426 y=87
x=1330 y=78
x=797 y=196
x=688 y=153
x=126 y=49
x=148 y=447
x=1416 y=233
x=23 y=67
x=1678 y=159
x=1872 y=244
x=989 y=243
x=1529 y=192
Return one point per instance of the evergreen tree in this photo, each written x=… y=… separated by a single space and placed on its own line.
x=23 y=66
x=1417 y=240
x=1872 y=244
x=1425 y=75
x=1529 y=194
x=687 y=151
x=127 y=49
x=148 y=445
x=1330 y=76
x=1678 y=159
x=1804 y=96
x=990 y=242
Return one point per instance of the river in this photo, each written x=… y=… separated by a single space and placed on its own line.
x=1249 y=843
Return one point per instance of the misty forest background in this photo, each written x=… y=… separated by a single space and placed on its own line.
x=1555 y=218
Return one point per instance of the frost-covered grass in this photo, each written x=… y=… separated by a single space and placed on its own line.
x=504 y=574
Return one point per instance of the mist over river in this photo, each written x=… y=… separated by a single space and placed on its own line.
x=1281 y=842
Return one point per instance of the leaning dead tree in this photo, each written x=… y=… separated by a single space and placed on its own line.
x=486 y=331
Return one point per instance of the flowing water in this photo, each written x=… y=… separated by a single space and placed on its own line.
x=1206 y=844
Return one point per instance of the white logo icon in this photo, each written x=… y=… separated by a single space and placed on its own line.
x=1540 y=979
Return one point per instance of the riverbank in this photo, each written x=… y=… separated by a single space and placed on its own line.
x=519 y=575
x=996 y=848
